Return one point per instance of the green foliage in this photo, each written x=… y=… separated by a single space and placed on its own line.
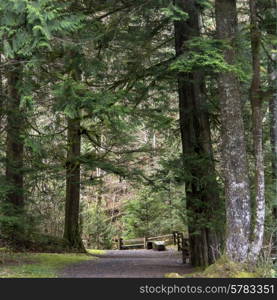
x=205 y=4
x=16 y=225
x=143 y=215
x=206 y=55
x=98 y=228
x=150 y=213
x=28 y=26
x=174 y=13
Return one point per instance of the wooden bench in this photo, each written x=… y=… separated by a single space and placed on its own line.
x=159 y=245
x=132 y=246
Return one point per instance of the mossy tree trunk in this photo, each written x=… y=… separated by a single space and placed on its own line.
x=237 y=192
x=272 y=70
x=1 y=92
x=257 y=124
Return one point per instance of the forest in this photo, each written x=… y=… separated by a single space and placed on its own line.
x=139 y=118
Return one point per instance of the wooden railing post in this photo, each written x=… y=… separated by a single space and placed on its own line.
x=120 y=243
x=174 y=237
x=145 y=242
x=185 y=251
x=179 y=241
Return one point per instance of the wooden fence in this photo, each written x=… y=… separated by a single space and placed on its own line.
x=176 y=238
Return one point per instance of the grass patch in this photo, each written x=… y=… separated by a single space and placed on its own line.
x=222 y=268
x=225 y=268
x=38 y=265
x=96 y=251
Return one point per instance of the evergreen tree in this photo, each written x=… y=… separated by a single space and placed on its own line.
x=201 y=186
x=144 y=215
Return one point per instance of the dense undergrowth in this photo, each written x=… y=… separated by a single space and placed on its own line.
x=40 y=243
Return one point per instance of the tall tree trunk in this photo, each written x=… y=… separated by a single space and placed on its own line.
x=272 y=70
x=257 y=124
x=196 y=144
x=1 y=93
x=237 y=192
x=14 y=153
x=71 y=229
x=273 y=135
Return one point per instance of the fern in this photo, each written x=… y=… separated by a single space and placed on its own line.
x=29 y=26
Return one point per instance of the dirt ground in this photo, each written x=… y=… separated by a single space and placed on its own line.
x=129 y=264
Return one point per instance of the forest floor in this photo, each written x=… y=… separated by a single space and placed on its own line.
x=129 y=264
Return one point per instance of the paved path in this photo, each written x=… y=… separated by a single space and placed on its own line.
x=129 y=264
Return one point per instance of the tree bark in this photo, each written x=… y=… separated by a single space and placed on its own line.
x=1 y=93
x=71 y=229
x=237 y=192
x=14 y=153
x=257 y=124
x=201 y=199
x=272 y=70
